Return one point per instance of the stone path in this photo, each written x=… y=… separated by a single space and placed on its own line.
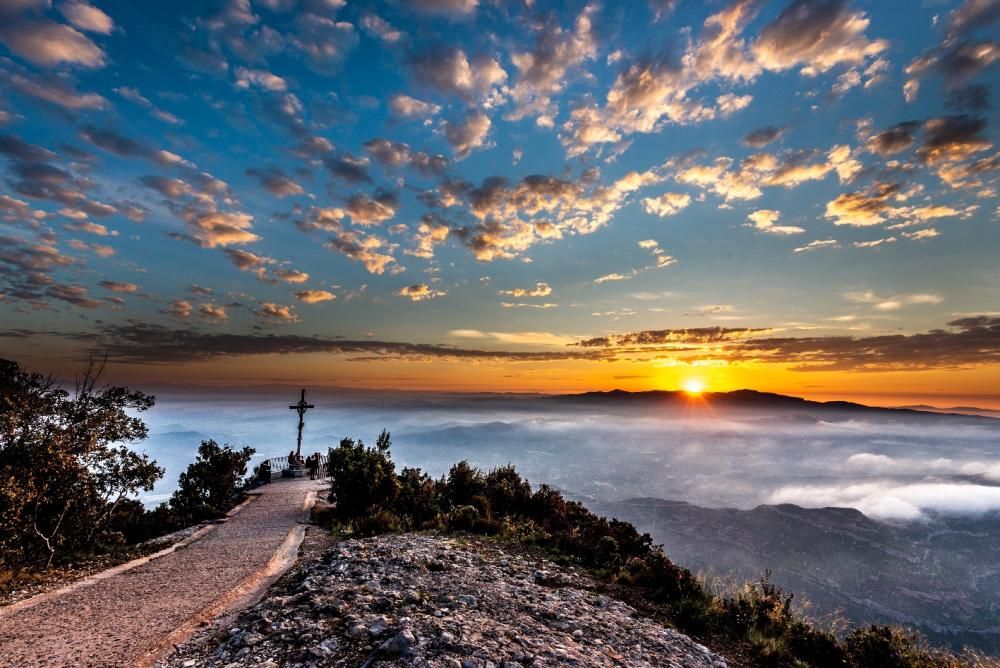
x=134 y=615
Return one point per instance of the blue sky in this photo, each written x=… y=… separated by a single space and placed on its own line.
x=507 y=178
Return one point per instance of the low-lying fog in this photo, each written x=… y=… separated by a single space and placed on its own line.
x=889 y=465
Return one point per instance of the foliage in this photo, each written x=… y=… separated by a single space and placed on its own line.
x=371 y=498
x=364 y=479
x=65 y=468
x=209 y=485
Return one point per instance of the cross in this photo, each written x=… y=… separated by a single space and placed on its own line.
x=301 y=407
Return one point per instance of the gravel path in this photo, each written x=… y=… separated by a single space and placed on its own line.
x=132 y=617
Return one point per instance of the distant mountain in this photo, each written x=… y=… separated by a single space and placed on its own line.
x=746 y=399
x=963 y=410
x=941 y=577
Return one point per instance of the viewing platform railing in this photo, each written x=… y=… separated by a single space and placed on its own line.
x=278 y=464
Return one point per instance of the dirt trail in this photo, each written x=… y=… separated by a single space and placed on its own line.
x=137 y=614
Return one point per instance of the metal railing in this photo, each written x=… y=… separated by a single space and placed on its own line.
x=278 y=464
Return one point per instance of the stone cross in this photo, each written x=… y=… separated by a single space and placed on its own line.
x=301 y=407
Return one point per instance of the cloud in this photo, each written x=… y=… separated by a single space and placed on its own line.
x=969 y=341
x=666 y=204
x=515 y=216
x=651 y=92
x=960 y=56
x=410 y=107
x=126 y=147
x=369 y=249
x=818 y=245
x=890 y=500
x=314 y=296
x=211 y=311
x=451 y=72
x=540 y=290
x=180 y=309
x=323 y=40
x=276 y=313
x=348 y=167
x=662 y=259
x=17 y=148
x=87 y=17
x=247 y=78
x=468 y=134
x=892 y=303
x=145 y=343
x=119 y=286
x=72 y=294
x=419 y=292
x=760 y=170
x=764 y=220
x=897 y=138
x=215 y=229
x=291 y=275
x=761 y=137
x=818 y=35
x=446 y=7
x=611 y=278
x=430 y=233
x=380 y=28
x=398 y=154
x=545 y=71
x=48 y=43
x=133 y=95
x=276 y=182
x=864 y=208
x=952 y=138
x=658 y=337
x=59 y=91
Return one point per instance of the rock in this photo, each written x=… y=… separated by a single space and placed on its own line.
x=400 y=644
x=433 y=601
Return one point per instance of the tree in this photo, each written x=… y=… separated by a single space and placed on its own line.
x=64 y=461
x=363 y=479
x=206 y=489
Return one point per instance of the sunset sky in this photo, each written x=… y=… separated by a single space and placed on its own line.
x=506 y=196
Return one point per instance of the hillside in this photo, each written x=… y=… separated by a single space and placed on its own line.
x=438 y=601
x=939 y=576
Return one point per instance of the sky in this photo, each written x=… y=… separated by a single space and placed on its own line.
x=479 y=195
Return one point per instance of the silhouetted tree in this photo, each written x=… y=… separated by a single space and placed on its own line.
x=206 y=489
x=64 y=464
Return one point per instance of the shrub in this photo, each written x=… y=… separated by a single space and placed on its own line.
x=363 y=479
x=209 y=485
x=886 y=647
x=418 y=498
x=464 y=484
x=508 y=492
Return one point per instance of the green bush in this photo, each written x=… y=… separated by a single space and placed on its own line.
x=208 y=488
x=363 y=479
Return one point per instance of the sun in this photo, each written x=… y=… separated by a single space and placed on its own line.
x=693 y=386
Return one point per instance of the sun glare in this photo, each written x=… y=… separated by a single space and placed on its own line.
x=693 y=386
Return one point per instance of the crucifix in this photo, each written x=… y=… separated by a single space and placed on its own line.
x=301 y=407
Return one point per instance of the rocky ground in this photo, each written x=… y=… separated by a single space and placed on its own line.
x=437 y=601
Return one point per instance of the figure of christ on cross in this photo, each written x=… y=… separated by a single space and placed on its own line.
x=301 y=407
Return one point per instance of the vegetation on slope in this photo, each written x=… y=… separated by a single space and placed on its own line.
x=370 y=497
